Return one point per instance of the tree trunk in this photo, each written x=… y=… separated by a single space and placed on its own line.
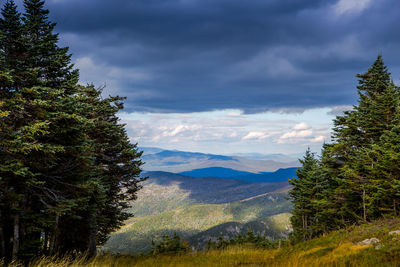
x=394 y=207
x=2 y=244
x=92 y=250
x=7 y=235
x=15 y=238
x=92 y=244
x=46 y=243
x=364 y=207
x=53 y=240
x=306 y=222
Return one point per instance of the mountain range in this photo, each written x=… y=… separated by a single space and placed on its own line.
x=175 y=161
x=205 y=196
x=281 y=175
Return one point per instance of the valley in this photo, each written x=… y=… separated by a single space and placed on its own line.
x=205 y=204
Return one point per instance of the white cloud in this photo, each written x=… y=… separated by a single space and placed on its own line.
x=297 y=134
x=303 y=133
x=179 y=129
x=225 y=131
x=255 y=135
x=301 y=126
x=318 y=139
x=351 y=6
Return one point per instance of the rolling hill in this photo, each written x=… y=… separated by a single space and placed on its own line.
x=191 y=221
x=190 y=206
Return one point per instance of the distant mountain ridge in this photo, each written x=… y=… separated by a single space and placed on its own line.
x=281 y=175
x=217 y=172
x=180 y=161
x=275 y=157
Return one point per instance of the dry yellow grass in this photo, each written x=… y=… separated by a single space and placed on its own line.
x=235 y=256
x=337 y=249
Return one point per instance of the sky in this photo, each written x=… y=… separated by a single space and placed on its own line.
x=229 y=76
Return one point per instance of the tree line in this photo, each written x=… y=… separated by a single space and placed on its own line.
x=357 y=177
x=250 y=238
x=67 y=167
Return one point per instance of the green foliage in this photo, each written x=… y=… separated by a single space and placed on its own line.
x=67 y=168
x=357 y=177
x=170 y=245
x=249 y=238
x=197 y=223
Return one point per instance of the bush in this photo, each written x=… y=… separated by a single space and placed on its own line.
x=170 y=245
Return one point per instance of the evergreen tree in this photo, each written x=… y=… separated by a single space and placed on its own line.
x=50 y=65
x=67 y=168
x=354 y=135
x=356 y=179
x=114 y=175
x=301 y=195
x=170 y=245
x=12 y=47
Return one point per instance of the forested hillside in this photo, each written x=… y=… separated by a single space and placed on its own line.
x=200 y=209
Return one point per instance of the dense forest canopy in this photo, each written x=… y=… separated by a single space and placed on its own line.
x=357 y=177
x=67 y=167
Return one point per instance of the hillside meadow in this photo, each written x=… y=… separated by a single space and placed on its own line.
x=339 y=248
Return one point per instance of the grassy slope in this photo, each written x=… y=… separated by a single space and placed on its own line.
x=339 y=248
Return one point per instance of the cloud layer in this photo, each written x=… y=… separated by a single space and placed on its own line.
x=231 y=131
x=229 y=76
x=203 y=55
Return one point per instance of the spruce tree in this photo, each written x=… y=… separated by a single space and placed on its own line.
x=356 y=179
x=354 y=135
x=51 y=65
x=12 y=47
x=301 y=196
x=67 y=168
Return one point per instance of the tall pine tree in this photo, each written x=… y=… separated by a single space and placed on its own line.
x=64 y=158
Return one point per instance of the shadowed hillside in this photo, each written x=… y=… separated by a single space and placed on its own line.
x=171 y=203
x=202 y=190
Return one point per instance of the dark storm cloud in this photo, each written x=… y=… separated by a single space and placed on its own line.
x=199 y=55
